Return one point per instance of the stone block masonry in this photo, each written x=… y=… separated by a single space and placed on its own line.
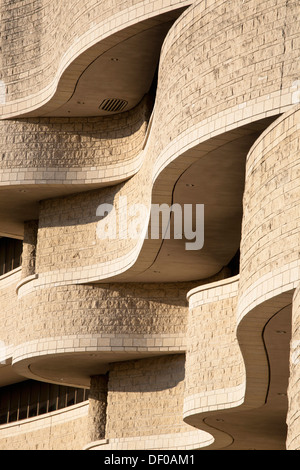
x=179 y=350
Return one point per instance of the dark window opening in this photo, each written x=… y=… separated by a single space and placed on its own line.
x=10 y=254
x=234 y=264
x=29 y=399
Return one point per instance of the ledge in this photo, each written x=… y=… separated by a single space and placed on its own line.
x=212 y=285
x=26 y=280
x=173 y=441
x=10 y=273
x=44 y=420
x=95 y=444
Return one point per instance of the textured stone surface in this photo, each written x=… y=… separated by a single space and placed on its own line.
x=8 y=302
x=215 y=374
x=108 y=309
x=64 y=430
x=146 y=397
x=29 y=248
x=57 y=150
x=223 y=65
x=293 y=417
x=33 y=64
x=97 y=407
x=270 y=234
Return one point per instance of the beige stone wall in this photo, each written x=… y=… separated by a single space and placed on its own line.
x=8 y=306
x=225 y=63
x=15 y=40
x=293 y=417
x=86 y=150
x=215 y=372
x=240 y=100
x=32 y=65
x=73 y=150
x=244 y=68
x=67 y=237
x=97 y=407
x=270 y=234
x=265 y=31
x=29 y=248
x=145 y=397
x=61 y=430
x=270 y=268
x=109 y=309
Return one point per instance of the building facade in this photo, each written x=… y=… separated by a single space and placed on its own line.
x=150 y=224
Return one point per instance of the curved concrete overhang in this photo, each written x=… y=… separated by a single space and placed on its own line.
x=106 y=65
x=195 y=136
x=191 y=440
x=107 y=57
x=251 y=415
x=191 y=180
x=123 y=73
x=262 y=302
x=262 y=416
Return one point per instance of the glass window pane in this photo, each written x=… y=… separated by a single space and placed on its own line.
x=24 y=400
x=79 y=395
x=71 y=397
x=62 y=397
x=14 y=404
x=34 y=398
x=44 y=398
x=4 y=405
x=53 y=395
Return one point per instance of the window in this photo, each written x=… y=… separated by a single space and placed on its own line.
x=10 y=254
x=28 y=399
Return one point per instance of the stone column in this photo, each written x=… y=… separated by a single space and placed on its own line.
x=97 y=407
x=293 y=416
x=29 y=248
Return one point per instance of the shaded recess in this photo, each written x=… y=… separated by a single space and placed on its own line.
x=259 y=423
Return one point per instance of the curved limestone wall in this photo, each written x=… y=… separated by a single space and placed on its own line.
x=140 y=420
x=215 y=373
x=227 y=69
x=227 y=101
x=108 y=318
x=8 y=308
x=293 y=417
x=270 y=233
x=73 y=151
x=60 y=430
x=65 y=39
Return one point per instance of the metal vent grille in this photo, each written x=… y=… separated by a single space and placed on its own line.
x=113 y=105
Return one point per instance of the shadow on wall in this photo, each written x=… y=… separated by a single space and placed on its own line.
x=147 y=375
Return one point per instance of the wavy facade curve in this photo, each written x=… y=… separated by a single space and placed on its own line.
x=293 y=414
x=251 y=334
x=269 y=258
x=176 y=141
x=183 y=343
x=54 y=61
x=73 y=150
x=100 y=323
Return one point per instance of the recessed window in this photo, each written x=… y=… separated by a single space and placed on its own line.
x=29 y=399
x=10 y=254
